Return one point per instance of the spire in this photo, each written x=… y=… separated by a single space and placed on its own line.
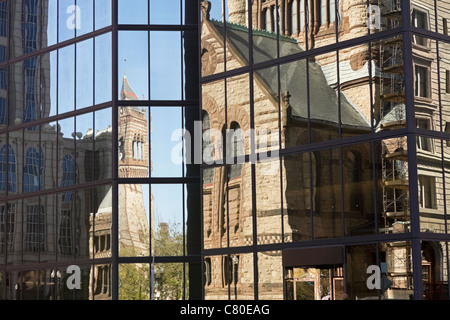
x=126 y=93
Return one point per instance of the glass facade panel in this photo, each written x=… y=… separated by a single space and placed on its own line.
x=135 y=14
x=169 y=12
x=322 y=150
x=50 y=211
x=395 y=185
x=168 y=220
x=268 y=208
x=166 y=65
x=134 y=281
x=270 y=275
x=300 y=197
x=430 y=185
x=133 y=65
x=102 y=13
x=103 y=68
x=212 y=39
x=66 y=79
x=358 y=185
x=325 y=112
x=134 y=218
x=169 y=281
x=167 y=148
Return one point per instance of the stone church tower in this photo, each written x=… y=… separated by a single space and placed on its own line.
x=133 y=163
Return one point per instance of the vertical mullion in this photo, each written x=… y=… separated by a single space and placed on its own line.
x=115 y=218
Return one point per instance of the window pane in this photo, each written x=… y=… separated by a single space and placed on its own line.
x=268 y=201
x=66 y=79
x=270 y=276
x=134 y=143
x=266 y=108
x=133 y=64
x=301 y=198
x=69 y=16
x=212 y=47
x=358 y=186
x=103 y=143
x=134 y=219
x=389 y=104
x=85 y=18
x=134 y=281
x=294 y=106
x=167 y=12
x=168 y=224
x=170 y=282
x=167 y=144
x=165 y=65
x=103 y=68
x=356 y=108
x=324 y=104
x=84 y=74
x=430 y=186
x=135 y=14
x=395 y=182
x=102 y=13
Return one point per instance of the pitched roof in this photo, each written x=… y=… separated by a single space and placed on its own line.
x=127 y=93
x=324 y=100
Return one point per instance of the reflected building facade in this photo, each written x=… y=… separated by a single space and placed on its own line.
x=57 y=155
x=77 y=177
x=341 y=119
x=325 y=149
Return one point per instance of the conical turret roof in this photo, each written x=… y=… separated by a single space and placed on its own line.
x=127 y=93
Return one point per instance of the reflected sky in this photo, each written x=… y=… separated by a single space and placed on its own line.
x=80 y=74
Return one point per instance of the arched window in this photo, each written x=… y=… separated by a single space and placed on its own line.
x=208 y=174
x=268 y=19
x=332 y=17
x=68 y=175
x=30 y=70
x=8 y=177
x=33 y=170
x=294 y=17
x=301 y=17
x=235 y=150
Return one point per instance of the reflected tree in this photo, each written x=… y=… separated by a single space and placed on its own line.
x=169 y=277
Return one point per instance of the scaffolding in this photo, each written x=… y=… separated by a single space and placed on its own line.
x=394 y=158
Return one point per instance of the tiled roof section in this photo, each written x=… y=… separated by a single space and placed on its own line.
x=127 y=93
x=323 y=101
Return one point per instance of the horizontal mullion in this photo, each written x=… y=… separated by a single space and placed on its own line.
x=61 y=116
x=59 y=189
x=159 y=180
x=56 y=46
x=158 y=103
x=157 y=27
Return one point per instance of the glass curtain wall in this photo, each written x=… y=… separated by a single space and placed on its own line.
x=324 y=149
x=97 y=197
x=156 y=98
x=56 y=144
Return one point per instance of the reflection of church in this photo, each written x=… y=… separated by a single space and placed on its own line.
x=42 y=225
x=312 y=198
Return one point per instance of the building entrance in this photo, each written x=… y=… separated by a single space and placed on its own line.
x=314 y=283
